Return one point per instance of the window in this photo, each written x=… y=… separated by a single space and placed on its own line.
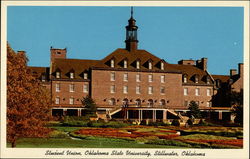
x=112 y=76
x=138 y=102
x=43 y=78
x=57 y=87
x=209 y=104
x=138 y=90
x=71 y=75
x=71 y=88
x=150 y=103
x=85 y=88
x=162 y=78
x=112 y=63
x=125 y=77
x=125 y=89
x=138 y=64
x=112 y=101
x=162 y=66
x=125 y=64
x=185 y=91
x=162 y=102
x=58 y=74
x=71 y=100
x=125 y=102
x=197 y=91
x=150 y=90
x=208 y=80
x=208 y=92
x=57 y=100
x=150 y=65
x=150 y=78
x=112 y=89
x=197 y=102
x=162 y=90
x=85 y=76
x=184 y=78
x=138 y=78
x=196 y=78
x=185 y=103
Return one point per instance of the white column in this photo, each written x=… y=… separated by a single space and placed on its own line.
x=64 y=111
x=164 y=115
x=220 y=115
x=154 y=115
x=127 y=114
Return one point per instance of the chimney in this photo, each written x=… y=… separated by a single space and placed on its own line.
x=57 y=53
x=233 y=72
x=202 y=63
x=240 y=69
x=186 y=62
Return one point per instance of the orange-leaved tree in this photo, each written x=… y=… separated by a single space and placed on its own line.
x=27 y=101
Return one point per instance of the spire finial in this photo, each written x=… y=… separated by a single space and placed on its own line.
x=132 y=12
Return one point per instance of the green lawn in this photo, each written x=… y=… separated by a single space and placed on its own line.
x=85 y=143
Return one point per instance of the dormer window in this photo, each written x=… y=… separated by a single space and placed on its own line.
x=125 y=64
x=71 y=75
x=112 y=63
x=43 y=78
x=196 y=78
x=218 y=82
x=150 y=65
x=184 y=78
x=162 y=65
x=208 y=80
x=85 y=76
x=58 y=74
x=137 y=64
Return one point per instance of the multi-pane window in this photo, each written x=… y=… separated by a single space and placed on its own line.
x=57 y=87
x=85 y=76
x=112 y=89
x=71 y=75
x=71 y=100
x=85 y=88
x=208 y=92
x=125 y=77
x=125 y=89
x=185 y=103
x=197 y=91
x=150 y=65
x=196 y=78
x=112 y=63
x=209 y=104
x=138 y=64
x=138 y=78
x=58 y=74
x=197 y=102
x=184 y=79
x=112 y=76
x=138 y=89
x=138 y=102
x=112 y=101
x=162 y=90
x=71 y=88
x=43 y=78
x=185 y=91
x=150 y=78
x=150 y=90
x=162 y=78
x=125 y=64
x=57 y=100
x=162 y=66
x=162 y=102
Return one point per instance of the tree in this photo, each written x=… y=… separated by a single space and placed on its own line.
x=90 y=106
x=194 y=110
x=236 y=99
x=27 y=101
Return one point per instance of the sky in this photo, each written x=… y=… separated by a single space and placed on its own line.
x=171 y=33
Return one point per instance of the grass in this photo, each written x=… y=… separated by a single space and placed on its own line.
x=95 y=142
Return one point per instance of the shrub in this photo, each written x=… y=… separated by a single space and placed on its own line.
x=175 y=122
x=190 y=122
x=58 y=134
x=168 y=142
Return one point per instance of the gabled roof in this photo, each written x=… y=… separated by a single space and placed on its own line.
x=39 y=71
x=223 y=78
x=69 y=65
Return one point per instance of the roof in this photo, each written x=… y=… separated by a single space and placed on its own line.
x=223 y=78
x=65 y=66
x=39 y=71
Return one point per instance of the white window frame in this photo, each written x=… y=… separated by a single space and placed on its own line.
x=112 y=76
x=112 y=89
x=138 y=90
x=209 y=92
x=162 y=66
x=58 y=74
x=125 y=77
x=71 y=88
x=125 y=64
x=57 y=101
x=138 y=78
x=150 y=78
x=71 y=100
x=208 y=104
x=57 y=87
x=185 y=79
x=150 y=65
x=71 y=74
x=85 y=75
x=197 y=91
x=150 y=90
x=125 y=89
x=112 y=63
x=162 y=88
x=186 y=103
x=137 y=64
x=162 y=78
x=185 y=91
x=85 y=88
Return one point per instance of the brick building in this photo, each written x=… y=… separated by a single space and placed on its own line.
x=134 y=84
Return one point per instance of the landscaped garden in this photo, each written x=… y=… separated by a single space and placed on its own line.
x=114 y=134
